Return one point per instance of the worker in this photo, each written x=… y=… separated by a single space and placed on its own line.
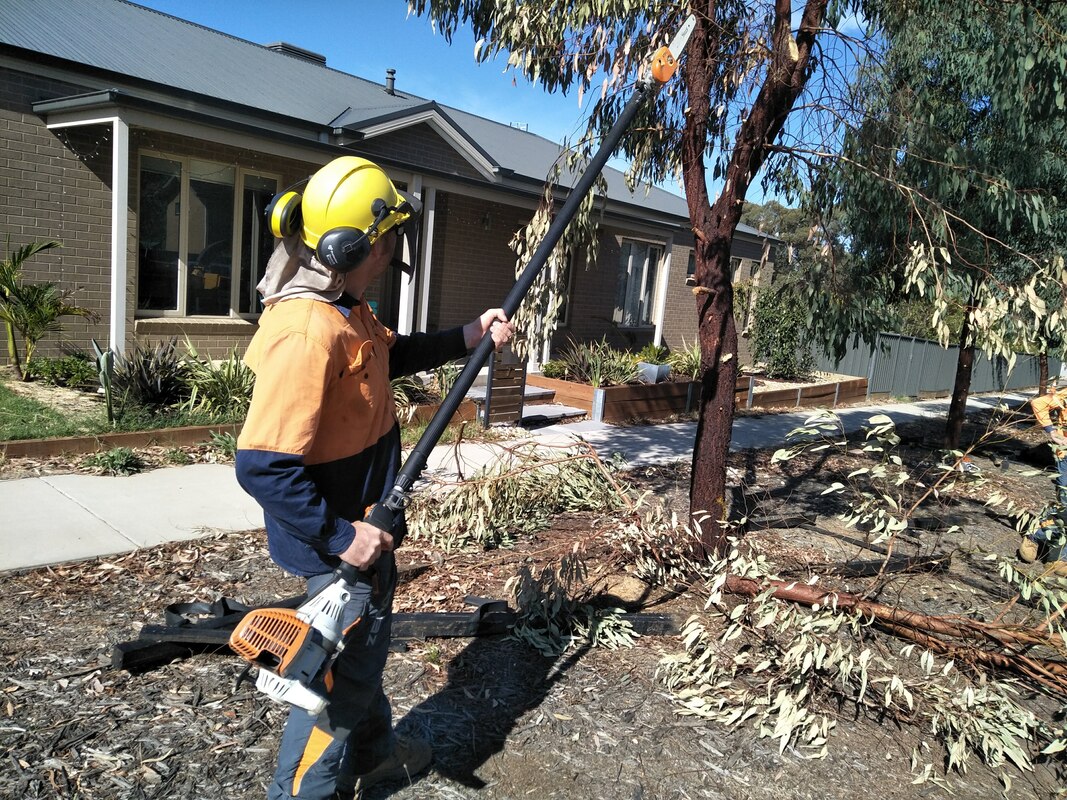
x=321 y=445
x=1046 y=541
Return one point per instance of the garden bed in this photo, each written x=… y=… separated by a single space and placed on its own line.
x=667 y=399
x=76 y=445
x=166 y=437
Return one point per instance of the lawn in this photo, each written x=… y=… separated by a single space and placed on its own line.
x=55 y=412
x=25 y=418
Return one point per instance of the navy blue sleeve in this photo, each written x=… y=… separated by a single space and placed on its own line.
x=421 y=351
x=281 y=485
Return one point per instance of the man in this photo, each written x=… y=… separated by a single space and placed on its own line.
x=321 y=445
x=1047 y=539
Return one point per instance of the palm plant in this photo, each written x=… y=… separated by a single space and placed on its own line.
x=31 y=309
x=35 y=309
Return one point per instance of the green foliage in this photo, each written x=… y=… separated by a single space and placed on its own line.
x=785 y=670
x=654 y=354
x=914 y=318
x=779 y=340
x=117 y=461
x=686 y=361
x=25 y=418
x=516 y=494
x=31 y=309
x=954 y=188
x=35 y=309
x=409 y=392
x=222 y=388
x=151 y=377
x=554 y=368
x=74 y=370
x=225 y=444
x=597 y=364
x=553 y=620
x=178 y=457
x=444 y=378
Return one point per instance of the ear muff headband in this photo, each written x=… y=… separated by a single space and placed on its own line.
x=283 y=214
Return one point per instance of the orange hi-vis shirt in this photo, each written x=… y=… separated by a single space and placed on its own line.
x=321 y=442
x=1043 y=405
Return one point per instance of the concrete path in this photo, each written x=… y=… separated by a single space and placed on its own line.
x=69 y=517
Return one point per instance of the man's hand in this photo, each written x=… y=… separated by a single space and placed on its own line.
x=492 y=320
x=1058 y=439
x=369 y=543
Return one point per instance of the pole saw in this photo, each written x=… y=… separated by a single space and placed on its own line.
x=294 y=649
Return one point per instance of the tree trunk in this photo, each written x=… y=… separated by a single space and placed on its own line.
x=13 y=352
x=957 y=410
x=1042 y=372
x=713 y=229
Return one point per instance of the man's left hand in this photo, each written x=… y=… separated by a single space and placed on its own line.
x=494 y=321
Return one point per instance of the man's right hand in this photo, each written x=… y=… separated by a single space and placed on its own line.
x=1058 y=439
x=368 y=544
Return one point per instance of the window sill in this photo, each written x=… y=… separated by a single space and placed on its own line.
x=172 y=326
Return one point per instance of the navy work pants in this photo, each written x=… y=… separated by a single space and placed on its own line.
x=354 y=733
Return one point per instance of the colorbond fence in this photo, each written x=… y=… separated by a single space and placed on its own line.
x=904 y=366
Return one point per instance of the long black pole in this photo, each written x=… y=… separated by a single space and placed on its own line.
x=384 y=514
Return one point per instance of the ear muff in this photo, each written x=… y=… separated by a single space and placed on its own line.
x=343 y=249
x=283 y=214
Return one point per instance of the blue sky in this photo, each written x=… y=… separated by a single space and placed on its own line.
x=366 y=37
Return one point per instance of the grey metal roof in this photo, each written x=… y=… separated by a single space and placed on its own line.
x=134 y=42
x=142 y=43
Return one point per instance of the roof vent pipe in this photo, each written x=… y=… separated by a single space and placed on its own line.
x=390 y=81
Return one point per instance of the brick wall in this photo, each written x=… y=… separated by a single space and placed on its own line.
x=473 y=265
x=419 y=144
x=51 y=190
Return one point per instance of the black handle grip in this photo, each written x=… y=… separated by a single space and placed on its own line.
x=348 y=572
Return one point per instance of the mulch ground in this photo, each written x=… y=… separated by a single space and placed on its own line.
x=505 y=722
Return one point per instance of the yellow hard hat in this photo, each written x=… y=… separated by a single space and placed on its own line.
x=346 y=206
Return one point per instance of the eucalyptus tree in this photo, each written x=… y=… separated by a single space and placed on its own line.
x=764 y=94
x=954 y=185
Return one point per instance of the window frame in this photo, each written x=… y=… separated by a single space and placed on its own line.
x=619 y=312
x=184 y=194
x=238 y=252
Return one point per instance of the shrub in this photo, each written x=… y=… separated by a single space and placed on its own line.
x=444 y=378
x=225 y=444
x=554 y=369
x=151 y=377
x=222 y=388
x=687 y=360
x=598 y=364
x=653 y=354
x=779 y=340
x=74 y=370
x=178 y=457
x=408 y=392
x=118 y=461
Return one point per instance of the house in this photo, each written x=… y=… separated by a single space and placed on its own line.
x=150 y=146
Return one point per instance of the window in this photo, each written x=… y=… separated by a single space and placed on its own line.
x=737 y=266
x=192 y=228
x=257 y=242
x=638 y=268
